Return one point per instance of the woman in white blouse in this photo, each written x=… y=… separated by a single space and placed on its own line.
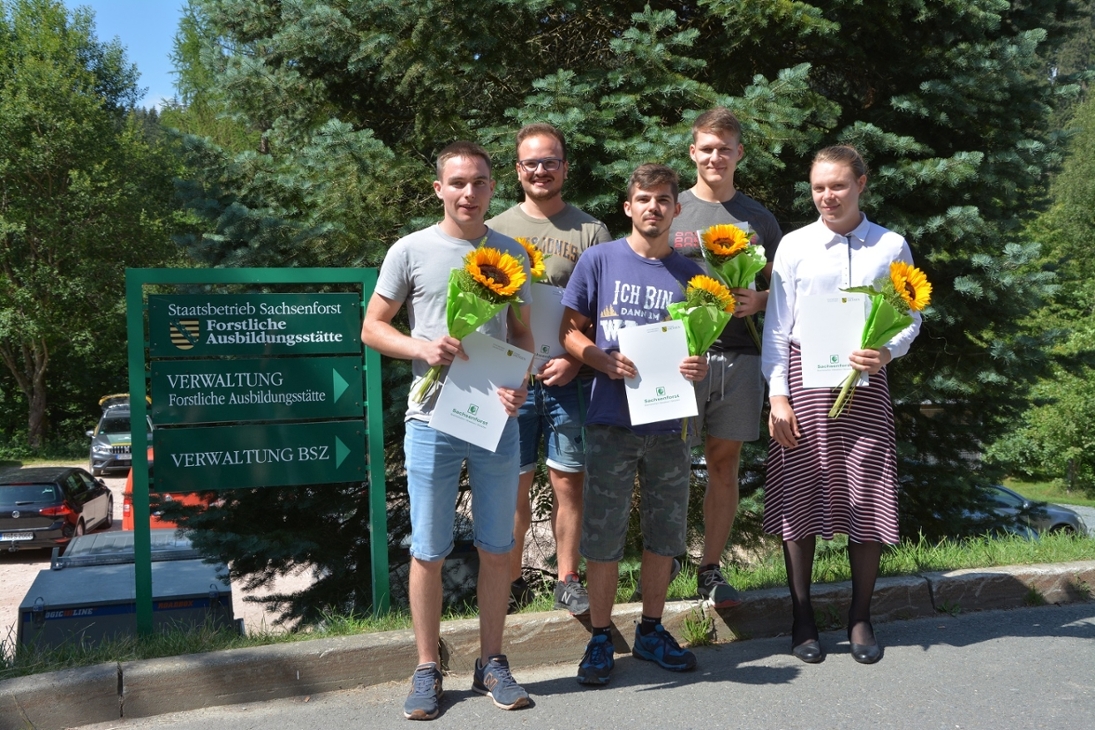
x=831 y=475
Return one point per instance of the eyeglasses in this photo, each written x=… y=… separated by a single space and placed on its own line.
x=551 y=164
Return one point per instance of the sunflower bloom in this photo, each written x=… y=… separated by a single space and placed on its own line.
x=911 y=284
x=707 y=290
x=501 y=274
x=734 y=260
x=725 y=240
x=535 y=258
x=707 y=307
x=486 y=284
x=892 y=299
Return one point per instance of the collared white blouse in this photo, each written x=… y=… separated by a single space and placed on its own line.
x=814 y=260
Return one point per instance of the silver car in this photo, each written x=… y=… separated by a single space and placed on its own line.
x=1041 y=516
x=112 y=440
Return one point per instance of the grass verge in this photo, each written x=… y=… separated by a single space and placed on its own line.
x=1050 y=492
x=830 y=565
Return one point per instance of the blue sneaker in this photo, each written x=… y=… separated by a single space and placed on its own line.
x=659 y=646
x=597 y=663
x=496 y=682
x=422 y=703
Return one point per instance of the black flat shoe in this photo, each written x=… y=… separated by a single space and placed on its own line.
x=809 y=652
x=866 y=653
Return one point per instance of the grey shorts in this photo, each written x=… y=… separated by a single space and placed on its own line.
x=614 y=455
x=730 y=398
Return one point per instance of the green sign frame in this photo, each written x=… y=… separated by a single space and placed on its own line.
x=369 y=417
x=255 y=389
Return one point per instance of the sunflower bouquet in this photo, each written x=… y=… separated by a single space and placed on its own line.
x=905 y=290
x=535 y=258
x=705 y=311
x=486 y=284
x=734 y=260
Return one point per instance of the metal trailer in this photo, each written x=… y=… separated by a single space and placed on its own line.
x=89 y=595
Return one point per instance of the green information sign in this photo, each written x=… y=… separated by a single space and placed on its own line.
x=271 y=455
x=268 y=389
x=253 y=324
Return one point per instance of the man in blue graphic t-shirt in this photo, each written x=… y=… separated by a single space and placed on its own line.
x=619 y=284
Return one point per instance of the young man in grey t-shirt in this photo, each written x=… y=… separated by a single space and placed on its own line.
x=560 y=391
x=415 y=273
x=731 y=396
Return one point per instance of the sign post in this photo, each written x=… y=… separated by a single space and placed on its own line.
x=254 y=390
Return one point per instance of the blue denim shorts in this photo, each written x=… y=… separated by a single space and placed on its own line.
x=555 y=413
x=663 y=463
x=434 y=461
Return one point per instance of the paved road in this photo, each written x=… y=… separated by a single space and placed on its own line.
x=1027 y=668
x=1087 y=514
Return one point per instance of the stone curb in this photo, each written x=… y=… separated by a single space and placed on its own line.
x=144 y=688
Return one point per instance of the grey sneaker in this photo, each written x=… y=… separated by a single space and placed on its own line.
x=423 y=701
x=571 y=595
x=714 y=589
x=496 y=682
x=638 y=594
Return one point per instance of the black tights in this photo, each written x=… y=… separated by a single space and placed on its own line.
x=798 y=555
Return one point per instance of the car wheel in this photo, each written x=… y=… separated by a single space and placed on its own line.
x=1063 y=529
x=109 y=521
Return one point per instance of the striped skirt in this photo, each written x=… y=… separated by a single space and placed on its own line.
x=842 y=476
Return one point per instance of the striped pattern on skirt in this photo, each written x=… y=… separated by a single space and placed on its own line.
x=842 y=476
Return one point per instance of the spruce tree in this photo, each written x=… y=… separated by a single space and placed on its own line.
x=950 y=103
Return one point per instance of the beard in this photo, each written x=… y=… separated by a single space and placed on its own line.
x=541 y=194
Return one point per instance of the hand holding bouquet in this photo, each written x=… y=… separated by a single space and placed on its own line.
x=905 y=290
x=488 y=281
x=705 y=311
x=734 y=260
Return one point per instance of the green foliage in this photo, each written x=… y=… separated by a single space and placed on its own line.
x=349 y=102
x=265 y=533
x=85 y=190
x=1050 y=440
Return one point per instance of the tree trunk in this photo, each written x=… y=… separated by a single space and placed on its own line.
x=30 y=374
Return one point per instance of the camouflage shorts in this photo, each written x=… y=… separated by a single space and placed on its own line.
x=614 y=455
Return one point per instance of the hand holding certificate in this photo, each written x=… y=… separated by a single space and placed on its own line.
x=830 y=332
x=469 y=407
x=660 y=392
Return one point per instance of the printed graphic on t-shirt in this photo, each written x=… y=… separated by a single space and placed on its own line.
x=632 y=305
x=552 y=246
x=687 y=243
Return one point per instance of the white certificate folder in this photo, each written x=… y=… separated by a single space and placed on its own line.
x=468 y=406
x=547 y=317
x=660 y=392
x=831 y=329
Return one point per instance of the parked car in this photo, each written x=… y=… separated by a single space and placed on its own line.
x=112 y=439
x=156 y=519
x=1040 y=516
x=43 y=507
